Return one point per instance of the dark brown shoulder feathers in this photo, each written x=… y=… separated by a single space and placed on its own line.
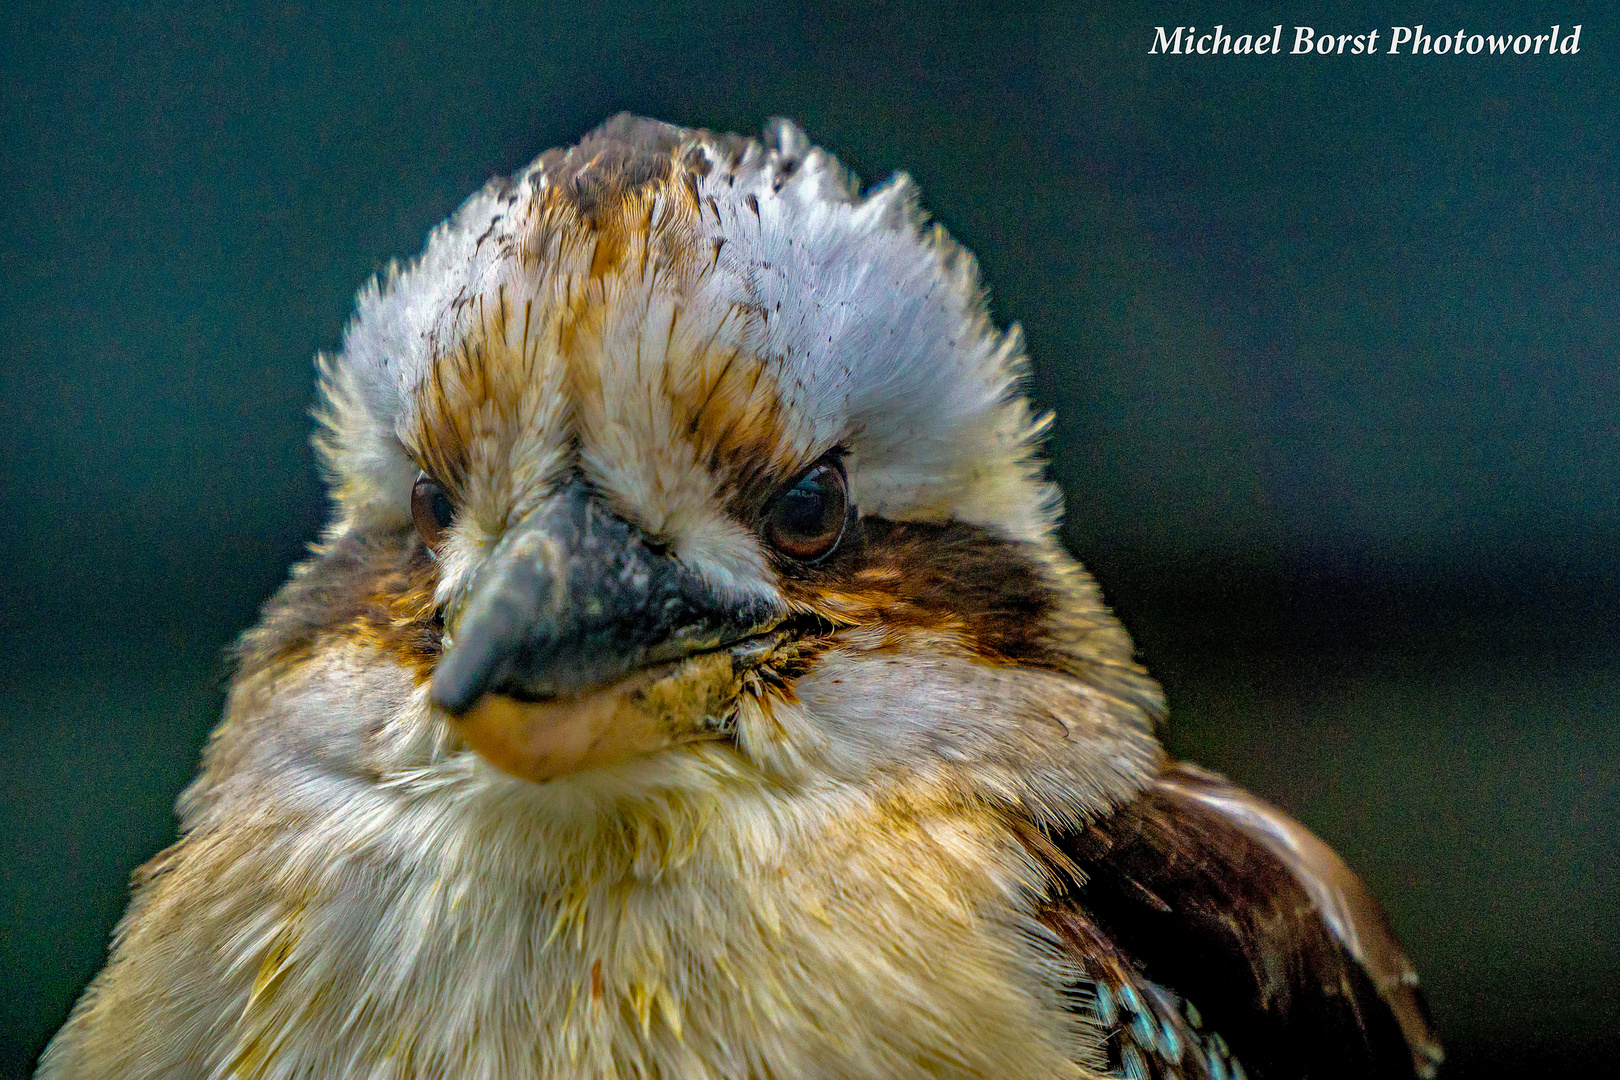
x=1240 y=943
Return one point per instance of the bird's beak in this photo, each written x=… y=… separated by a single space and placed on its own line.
x=579 y=644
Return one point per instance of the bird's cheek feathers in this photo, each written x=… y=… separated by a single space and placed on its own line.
x=651 y=710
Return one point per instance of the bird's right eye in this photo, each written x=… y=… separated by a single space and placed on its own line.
x=431 y=509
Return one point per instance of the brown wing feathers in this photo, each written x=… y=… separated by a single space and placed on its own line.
x=1226 y=903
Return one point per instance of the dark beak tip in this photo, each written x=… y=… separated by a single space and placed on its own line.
x=446 y=701
x=457 y=684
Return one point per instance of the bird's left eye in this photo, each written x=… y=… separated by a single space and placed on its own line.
x=431 y=510
x=806 y=521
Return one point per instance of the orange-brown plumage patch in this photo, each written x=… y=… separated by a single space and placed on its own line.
x=489 y=390
x=731 y=409
x=376 y=590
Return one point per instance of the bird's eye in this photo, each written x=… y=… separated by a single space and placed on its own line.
x=431 y=509
x=806 y=521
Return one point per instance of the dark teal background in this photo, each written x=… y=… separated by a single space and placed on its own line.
x=1332 y=344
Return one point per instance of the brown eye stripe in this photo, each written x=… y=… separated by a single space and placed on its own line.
x=950 y=578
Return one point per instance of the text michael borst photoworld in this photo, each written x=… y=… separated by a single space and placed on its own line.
x=1398 y=41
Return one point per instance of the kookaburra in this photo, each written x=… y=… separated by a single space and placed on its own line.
x=690 y=684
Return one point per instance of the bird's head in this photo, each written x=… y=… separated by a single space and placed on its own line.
x=698 y=451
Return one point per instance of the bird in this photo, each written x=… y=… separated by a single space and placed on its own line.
x=690 y=682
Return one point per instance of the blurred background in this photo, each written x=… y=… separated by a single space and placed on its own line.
x=1331 y=342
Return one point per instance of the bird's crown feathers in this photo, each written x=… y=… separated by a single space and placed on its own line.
x=657 y=285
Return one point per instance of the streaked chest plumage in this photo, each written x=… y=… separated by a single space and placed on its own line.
x=713 y=934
